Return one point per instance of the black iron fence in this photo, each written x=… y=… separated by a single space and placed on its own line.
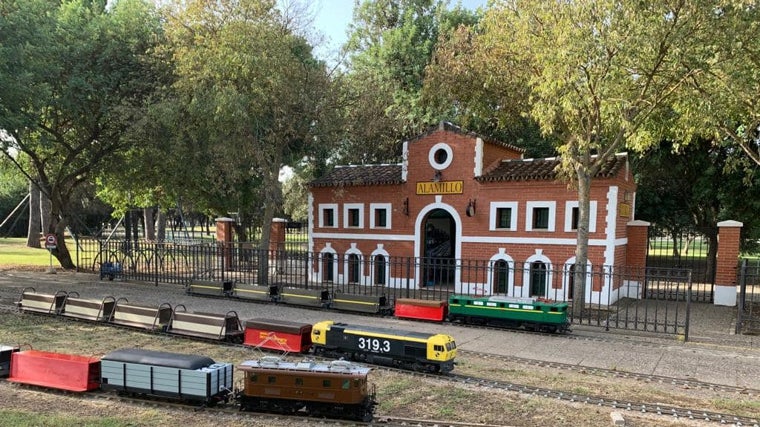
x=651 y=299
x=748 y=304
x=690 y=249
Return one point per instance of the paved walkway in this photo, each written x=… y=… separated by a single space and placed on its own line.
x=713 y=354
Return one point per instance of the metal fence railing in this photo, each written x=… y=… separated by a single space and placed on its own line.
x=651 y=299
x=748 y=303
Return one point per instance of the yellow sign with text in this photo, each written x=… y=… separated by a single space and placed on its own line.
x=442 y=187
x=625 y=210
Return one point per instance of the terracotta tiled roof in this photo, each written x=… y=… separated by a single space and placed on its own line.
x=448 y=126
x=360 y=175
x=543 y=169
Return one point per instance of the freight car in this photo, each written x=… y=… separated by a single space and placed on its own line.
x=529 y=313
x=403 y=349
x=185 y=377
x=336 y=390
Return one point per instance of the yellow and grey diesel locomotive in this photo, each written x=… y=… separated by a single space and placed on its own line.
x=383 y=346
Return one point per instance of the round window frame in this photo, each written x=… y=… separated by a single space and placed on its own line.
x=449 y=156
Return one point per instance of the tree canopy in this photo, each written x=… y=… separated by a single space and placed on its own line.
x=598 y=76
x=75 y=76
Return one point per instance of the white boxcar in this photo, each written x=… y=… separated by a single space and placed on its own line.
x=185 y=377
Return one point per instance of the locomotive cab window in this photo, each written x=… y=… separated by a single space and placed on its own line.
x=271 y=380
x=326 y=383
x=346 y=384
x=299 y=381
x=438 y=347
x=253 y=378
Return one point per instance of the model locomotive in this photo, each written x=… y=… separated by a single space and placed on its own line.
x=408 y=350
x=539 y=314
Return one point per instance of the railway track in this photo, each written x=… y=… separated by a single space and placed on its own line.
x=660 y=409
x=613 y=373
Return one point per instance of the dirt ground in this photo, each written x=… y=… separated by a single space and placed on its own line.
x=399 y=394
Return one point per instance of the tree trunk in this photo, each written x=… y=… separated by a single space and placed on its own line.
x=57 y=225
x=161 y=220
x=46 y=211
x=150 y=225
x=272 y=199
x=35 y=225
x=581 y=250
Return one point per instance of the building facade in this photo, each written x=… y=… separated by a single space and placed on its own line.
x=459 y=197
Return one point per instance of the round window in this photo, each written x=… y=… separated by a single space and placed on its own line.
x=440 y=156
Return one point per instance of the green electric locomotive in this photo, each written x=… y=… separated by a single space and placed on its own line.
x=528 y=313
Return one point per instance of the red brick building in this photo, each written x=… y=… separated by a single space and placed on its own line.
x=459 y=196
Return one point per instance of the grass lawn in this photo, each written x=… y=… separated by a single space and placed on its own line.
x=14 y=253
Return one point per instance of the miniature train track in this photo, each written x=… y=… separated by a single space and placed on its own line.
x=661 y=409
x=670 y=411
x=614 y=373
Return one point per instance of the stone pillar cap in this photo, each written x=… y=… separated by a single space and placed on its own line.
x=224 y=219
x=279 y=220
x=638 y=223
x=730 y=223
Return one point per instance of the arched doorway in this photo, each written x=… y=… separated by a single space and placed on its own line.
x=438 y=248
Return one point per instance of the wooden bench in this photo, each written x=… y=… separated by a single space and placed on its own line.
x=222 y=327
x=41 y=303
x=361 y=303
x=141 y=316
x=256 y=292
x=306 y=297
x=89 y=309
x=5 y=359
x=211 y=287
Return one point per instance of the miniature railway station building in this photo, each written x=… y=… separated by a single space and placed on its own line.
x=458 y=197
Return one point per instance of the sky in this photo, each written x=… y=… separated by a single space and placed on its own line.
x=333 y=16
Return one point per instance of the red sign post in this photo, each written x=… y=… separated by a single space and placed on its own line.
x=51 y=242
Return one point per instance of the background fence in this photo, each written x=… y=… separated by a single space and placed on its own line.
x=652 y=299
x=748 y=302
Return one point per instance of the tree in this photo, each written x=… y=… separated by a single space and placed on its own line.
x=597 y=76
x=75 y=76
x=723 y=103
x=390 y=45
x=254 y=95
x=688 y=189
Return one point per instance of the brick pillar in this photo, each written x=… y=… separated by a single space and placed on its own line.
x=224 y=241
x=276 y=244
x=277 y=235
x=636 y=249
x=637 y=232
x=728 y=258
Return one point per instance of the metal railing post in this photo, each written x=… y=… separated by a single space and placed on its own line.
x=742 y=297
x=688 y=307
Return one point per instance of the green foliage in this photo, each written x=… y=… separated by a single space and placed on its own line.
x=390 y=46
x=249 y=97
x=691 y=188
x=74 y=80
x=13 y=188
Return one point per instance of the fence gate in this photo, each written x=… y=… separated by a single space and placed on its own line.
x=748 y=314
x=687 y=250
